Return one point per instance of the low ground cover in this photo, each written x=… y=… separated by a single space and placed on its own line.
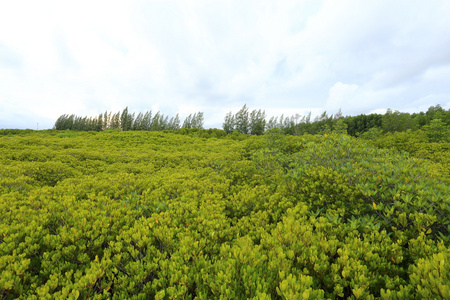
x=164 y=215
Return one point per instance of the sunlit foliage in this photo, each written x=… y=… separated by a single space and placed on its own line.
x=201 y=214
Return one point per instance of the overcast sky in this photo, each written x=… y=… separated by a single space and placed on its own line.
x=285 y=57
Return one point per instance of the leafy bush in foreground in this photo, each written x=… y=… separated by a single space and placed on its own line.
x=163 y=215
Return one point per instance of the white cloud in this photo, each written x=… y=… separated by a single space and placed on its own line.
x=292 y=57
x=341 y=95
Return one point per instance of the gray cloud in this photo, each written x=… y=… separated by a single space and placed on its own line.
x=184 y=57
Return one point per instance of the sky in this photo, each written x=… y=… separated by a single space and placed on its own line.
x=284 y=57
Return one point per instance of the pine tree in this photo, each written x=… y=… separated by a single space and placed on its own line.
x=257 y=122
x=197 y=120
x=137 y=124
x=242 y=120
x=187 y=122
x=273 y=123
x=229 y=124
x=174 y=123
x=115 y=121
x=147 y=121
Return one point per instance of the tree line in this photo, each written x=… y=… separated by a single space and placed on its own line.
x=255 y=122
x=126 y=121
x=435 y=121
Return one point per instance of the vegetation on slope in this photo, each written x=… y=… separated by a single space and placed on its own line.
x=205 y=215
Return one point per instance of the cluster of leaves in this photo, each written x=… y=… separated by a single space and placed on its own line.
x=255 y=123
x=128 y=121
x=419 y=144
x=435 y=122
x=245 y=122
x=200 y=214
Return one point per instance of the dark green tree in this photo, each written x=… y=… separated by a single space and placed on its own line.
x=156 y=122
x=257 y=122
x=197 y=120
x=147 y=121
x=115 y=121
x=126 y=120
x=273 y=123
x=187 y=122
x=340 y=126
x=137 y=123
x=393 y=121
x=229 y=124
x=174 y=123
x=241 y=119
x=437 y=131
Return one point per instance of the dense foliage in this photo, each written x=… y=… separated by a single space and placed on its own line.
x=201 y=214
x=436 y=120
x=128 y=121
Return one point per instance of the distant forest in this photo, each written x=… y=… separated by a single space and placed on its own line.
x=128 y=121
x=435 y=121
